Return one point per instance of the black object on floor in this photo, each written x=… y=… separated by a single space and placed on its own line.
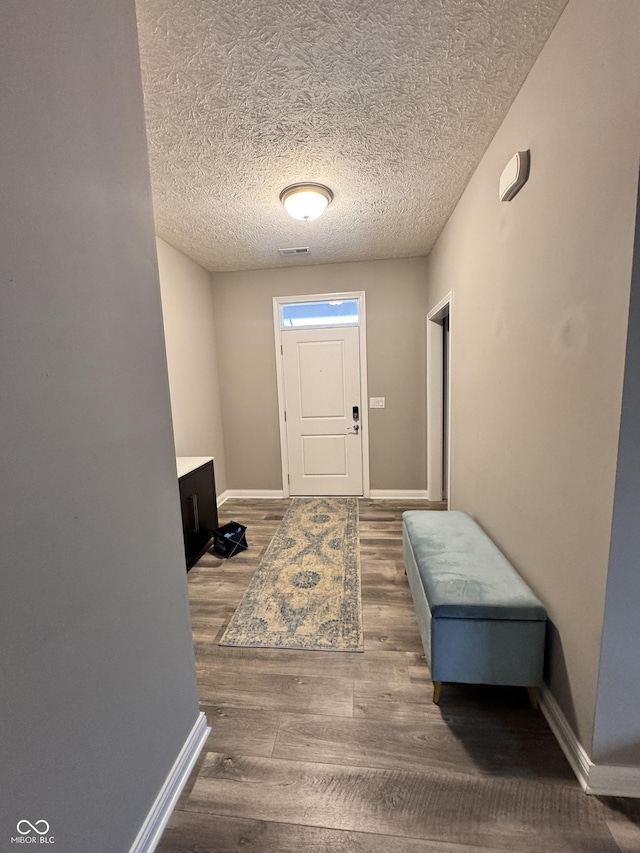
x=230 y=539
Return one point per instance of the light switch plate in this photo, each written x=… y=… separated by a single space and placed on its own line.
x=376 y=402
x=514 y=176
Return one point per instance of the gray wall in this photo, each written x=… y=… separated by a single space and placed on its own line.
x=617 y=726
x=96 y=670
x=396 y=310
x=541 y=289
x=187 y=308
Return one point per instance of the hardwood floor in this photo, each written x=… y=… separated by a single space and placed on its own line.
x=345 y=752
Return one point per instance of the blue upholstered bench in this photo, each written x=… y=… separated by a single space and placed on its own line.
x=479 y=621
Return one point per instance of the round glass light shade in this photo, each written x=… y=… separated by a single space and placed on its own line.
x=305 y=201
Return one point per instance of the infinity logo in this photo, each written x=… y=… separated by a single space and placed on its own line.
x=33 y=827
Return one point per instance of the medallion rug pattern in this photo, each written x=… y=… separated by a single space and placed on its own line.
x=306 y=591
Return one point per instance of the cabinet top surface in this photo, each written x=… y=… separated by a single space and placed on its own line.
x=187 y=464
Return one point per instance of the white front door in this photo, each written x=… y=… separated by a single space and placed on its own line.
x=321 y=372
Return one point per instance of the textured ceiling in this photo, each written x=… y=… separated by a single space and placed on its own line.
x=391 y=103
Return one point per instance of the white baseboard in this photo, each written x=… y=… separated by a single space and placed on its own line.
x=605 y=780
x=247 y=494
x=158 y=817
x=608 y=780
x=574 y=752
x=274 y=494
x=398 y=495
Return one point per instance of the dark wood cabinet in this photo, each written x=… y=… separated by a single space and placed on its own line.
x=198 y=506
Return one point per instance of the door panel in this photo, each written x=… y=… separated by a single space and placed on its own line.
x=322 y=391
x=324 y=455
x=321 y=370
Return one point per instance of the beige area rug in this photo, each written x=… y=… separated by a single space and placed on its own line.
x=306 y=592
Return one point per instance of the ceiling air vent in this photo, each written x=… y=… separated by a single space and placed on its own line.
x=299 y=250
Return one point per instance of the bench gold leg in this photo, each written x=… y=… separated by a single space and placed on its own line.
x=437 y=687
x=533 y=697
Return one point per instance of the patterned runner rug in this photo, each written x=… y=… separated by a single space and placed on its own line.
x=306 y=592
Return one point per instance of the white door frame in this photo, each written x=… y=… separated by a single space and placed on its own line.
x=435 y=367
x=364 y=409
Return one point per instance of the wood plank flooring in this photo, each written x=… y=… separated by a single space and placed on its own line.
x=345 y=752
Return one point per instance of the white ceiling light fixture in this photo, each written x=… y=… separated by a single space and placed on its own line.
x=306 y=201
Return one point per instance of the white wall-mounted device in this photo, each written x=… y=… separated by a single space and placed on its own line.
x=515 y=175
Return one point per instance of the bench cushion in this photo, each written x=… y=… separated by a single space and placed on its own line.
x=464 y=574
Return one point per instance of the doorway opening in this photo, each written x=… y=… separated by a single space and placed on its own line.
x=321 y=362
x=439 y=400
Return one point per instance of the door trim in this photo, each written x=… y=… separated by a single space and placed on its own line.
x=435 y=390
x=364 y=399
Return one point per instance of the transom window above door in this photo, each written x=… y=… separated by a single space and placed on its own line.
x=330 y=312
